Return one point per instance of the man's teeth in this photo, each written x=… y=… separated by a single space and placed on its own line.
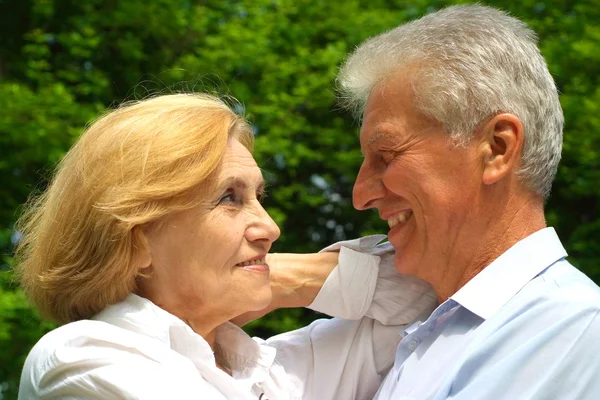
x=260 y=261
x=399 y=219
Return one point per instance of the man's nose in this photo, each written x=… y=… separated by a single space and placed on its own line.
x=368 y=188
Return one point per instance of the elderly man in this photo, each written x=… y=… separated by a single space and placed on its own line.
x=461 y=135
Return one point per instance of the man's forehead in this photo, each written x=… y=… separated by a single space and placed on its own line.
x=377 y=116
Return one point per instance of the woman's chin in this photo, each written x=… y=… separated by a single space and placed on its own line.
x=260 y=300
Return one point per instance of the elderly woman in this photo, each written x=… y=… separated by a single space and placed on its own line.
x=151 y=238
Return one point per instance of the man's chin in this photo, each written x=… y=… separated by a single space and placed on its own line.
x=404 y=264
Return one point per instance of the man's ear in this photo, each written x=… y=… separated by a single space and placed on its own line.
x=501 y=145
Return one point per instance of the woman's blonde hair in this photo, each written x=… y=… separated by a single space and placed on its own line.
x=81 y=239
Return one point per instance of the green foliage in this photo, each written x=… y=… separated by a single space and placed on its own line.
x=64 y=61
x=19 y=329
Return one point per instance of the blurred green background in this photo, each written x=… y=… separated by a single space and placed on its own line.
x=62 y=62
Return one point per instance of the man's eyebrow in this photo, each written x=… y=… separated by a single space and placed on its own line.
x=375 y=137
x=372 y=139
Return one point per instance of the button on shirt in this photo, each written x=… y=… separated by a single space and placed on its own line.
x=526 y=327
x=136 y=350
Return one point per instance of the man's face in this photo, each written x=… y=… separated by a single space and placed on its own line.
x=427 y=189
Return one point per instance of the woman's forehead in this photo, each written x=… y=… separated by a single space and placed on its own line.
x=239 y=167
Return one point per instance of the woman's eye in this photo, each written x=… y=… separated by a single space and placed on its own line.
x=227 y=198
x=260 y=196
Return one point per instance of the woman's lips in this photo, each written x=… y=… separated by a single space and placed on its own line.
x=256 y=265
x=263 y=268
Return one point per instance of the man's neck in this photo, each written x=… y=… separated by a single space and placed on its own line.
x=494 y=237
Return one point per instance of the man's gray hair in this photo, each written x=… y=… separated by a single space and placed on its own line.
x=471 y=62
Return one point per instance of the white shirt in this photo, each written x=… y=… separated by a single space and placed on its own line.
x=136 y=350
x=526 y=327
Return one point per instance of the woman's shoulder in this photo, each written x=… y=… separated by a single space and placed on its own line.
x=93 y=339
x=73 y=333
x=91 y=356
x=77 y=340
x=64 y=349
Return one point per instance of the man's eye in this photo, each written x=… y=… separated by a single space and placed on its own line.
x=387 y=157
x=383 y=159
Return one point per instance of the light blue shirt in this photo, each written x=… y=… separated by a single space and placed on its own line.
x=526 y=327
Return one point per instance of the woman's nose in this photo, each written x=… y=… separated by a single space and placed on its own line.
x=263 y=228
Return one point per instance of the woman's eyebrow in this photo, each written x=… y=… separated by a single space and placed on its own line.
x=239 y=183
x=261 y=184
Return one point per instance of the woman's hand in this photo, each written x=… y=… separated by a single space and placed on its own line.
x=295 y=281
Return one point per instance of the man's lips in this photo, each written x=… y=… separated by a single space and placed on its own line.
x=399 y=218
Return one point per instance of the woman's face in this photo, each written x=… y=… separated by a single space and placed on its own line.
x=208 y=263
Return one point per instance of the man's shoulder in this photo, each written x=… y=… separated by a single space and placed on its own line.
x=563 y=283
x=561 y=292
x=545 y=336
x=558 y=307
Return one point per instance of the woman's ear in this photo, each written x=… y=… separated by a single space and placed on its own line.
x=501 y=146
x=142 y=255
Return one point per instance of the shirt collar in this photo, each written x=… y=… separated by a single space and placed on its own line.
x=496 y=284
x=246 y=357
